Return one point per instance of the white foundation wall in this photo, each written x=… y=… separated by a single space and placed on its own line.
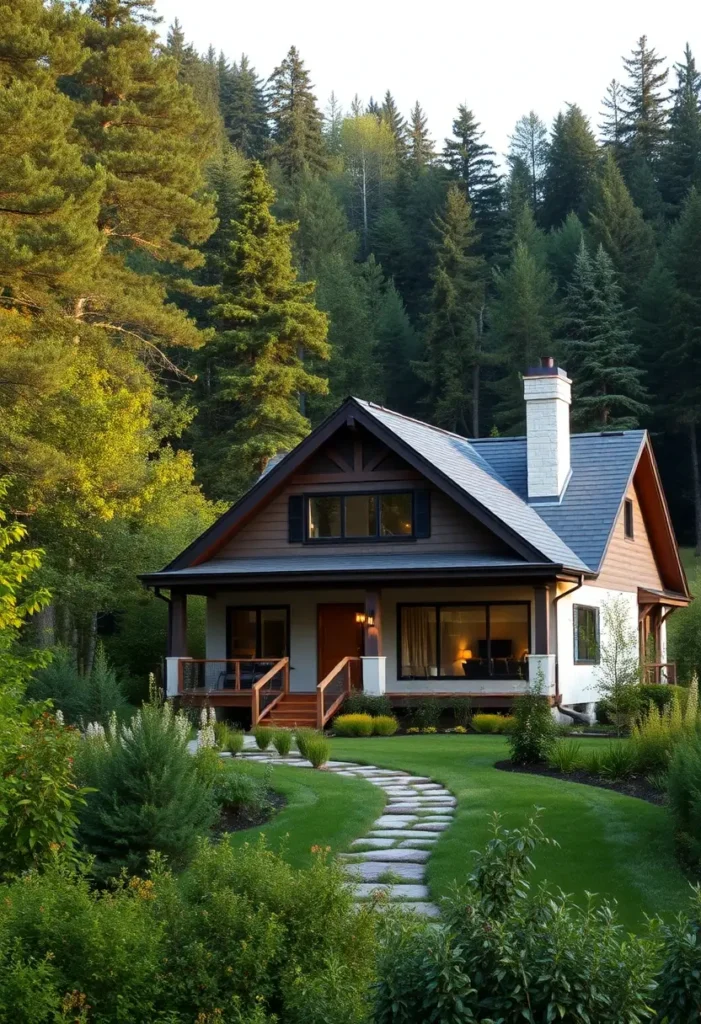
x=578 y=683
x=303 y=630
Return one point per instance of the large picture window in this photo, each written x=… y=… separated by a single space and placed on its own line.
x=586 y=635
x=458 y=641
x=360 y=516
x=258 y=633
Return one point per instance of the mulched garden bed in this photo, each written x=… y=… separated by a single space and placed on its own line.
x=635 y=786
x=247 y=817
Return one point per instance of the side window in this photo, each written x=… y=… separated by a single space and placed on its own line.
x=586 y=635
x=628 y=526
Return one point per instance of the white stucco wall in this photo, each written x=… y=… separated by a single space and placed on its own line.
x=578 y=683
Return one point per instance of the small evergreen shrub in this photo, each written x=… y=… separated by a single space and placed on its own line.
x=353 y=725
x=317 y=750
x=462 y=711
x=384 y=725
x=81 y=698
x=237 y=788
x=263 y=736
x=566 y=756
x=282 y=741
x=359 y=703
x=534 y=730
x=489 y=723
x=661 y=695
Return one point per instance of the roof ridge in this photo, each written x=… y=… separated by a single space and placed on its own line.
x=413 y=419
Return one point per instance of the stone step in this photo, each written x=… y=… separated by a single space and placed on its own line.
x=400 y=833
x=374 y=871
x=365 y=890
x=373 y=843
x=394 y=821
x=387 y=856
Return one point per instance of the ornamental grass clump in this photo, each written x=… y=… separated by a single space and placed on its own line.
x=353 y=725
x=658 y=731
x=318 y=750
x=282 y=741
x=384 y=725
x=263 y=735
x=566 y=756
x=684 y=789
x=301 y=737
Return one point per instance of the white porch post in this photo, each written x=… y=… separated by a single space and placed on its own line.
x=177 y=639
x=544 y=663
x=374 y=674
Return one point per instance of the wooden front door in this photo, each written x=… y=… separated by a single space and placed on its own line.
x=339 y=635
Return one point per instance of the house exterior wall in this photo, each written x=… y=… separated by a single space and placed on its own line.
x=303 y=630
x=630 y=564
x=578 y=683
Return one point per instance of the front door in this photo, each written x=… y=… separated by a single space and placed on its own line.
x=339 y=635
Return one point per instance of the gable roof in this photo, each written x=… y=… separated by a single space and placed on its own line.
x=487 y=477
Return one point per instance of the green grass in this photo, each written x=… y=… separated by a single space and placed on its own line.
x=322 y=809
x=610 y=844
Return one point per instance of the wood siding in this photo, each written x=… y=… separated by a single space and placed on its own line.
x=630 y=564
x=452 y=529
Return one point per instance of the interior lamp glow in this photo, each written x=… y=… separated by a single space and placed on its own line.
x=465 y=654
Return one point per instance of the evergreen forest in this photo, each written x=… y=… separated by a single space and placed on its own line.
x=200 y=259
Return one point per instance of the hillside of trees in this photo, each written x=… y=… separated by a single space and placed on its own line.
x=200 y=259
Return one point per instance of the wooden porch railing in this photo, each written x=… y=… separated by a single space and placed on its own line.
x=661 y=672
x=333 y=689
x=270 y=689
x=209 y=675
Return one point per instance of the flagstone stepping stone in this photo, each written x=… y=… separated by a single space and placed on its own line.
x=416 y=844
x=365 y=890
x=374 y=844
x=424 y=909
x=388 y=856
x=392 y=821
x=375 y=871
x=431 y=826
x=400 y=833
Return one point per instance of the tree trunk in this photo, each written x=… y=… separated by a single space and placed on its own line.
x=696 y=484
x=365 y=208
x=90 y=644
x=45 y=625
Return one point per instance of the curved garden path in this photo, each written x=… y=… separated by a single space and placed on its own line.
x=392 y=857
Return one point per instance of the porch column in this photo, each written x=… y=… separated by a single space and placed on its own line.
x=373 y=661
x=542 y=660
x=177 y=639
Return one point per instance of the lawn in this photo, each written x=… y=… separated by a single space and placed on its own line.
x=609 y=844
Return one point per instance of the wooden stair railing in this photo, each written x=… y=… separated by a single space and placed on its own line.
x=333 y=690
x=280 y=669
x=660 y=672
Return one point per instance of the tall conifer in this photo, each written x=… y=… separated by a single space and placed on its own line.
x=298 y=142
x=529 y=143
x=421 y=146
x=681 y=159
x=389 y=113
x=572 y=159
x=472 y=163
x=245 y=111
x=644 y=121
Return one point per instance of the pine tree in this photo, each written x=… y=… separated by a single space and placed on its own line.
x=298 y=142
x=611 y=127
x=644 y=121
x=373 y=108
x=266 y=326
x=421 y=146
x=681 y=158
x=617 y=224
x=245 y=111
x=398 y=348
x=453 y=333
x=333 y=119
x=529 y=143
x=390 y=115
x=601 y=356
x=472 y=163
x=572 y=159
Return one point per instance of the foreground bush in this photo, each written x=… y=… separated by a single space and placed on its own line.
x=317 y=750
x=282 y=741
x=684 y=787
x=263 y=736
x=353 y=725
x=242 y=937
x=149 y=793
x=81 y=698
x=359 y=703
x=301 y=738
x=491 y=723
x=534 y=730
x=384 y=725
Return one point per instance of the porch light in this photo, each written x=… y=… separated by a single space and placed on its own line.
x=466 y=654
x=360 y=618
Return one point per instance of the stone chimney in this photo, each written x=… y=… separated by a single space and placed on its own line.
x=548 y=393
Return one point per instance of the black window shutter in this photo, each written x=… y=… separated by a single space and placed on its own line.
x=295 y=519
x=422 y=514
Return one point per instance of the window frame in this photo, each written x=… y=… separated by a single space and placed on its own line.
x=257 y=608
x=575 y=636
x=437 y=605
x=628 y=519
x=376 y=538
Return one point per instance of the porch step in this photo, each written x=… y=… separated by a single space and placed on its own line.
x=294 y=709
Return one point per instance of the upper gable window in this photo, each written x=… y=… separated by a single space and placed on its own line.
x=360 y=516
x=628 y=527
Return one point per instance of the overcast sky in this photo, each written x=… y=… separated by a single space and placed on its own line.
x=501 y=57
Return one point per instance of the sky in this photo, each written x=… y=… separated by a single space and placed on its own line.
x=501 y=58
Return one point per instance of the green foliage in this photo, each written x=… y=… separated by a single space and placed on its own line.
x=384 y=725
x=616 y=762
x=490 y=723
x=301 y=738
x=148 y=794
x=359 y=703
x=572 y=159
x=236 y=788
x=566 y=756
x=297 y=141
x=662 y=695
x=282 y=741
x=462 y=711
x=353 y=725
x=241 y=937
x=425 y=713
x=263 y=736
x=618 y=671
x=39 y=798
x=684 y=787
x=684 y=633
x=678 y=996
x=228 y=738
x=657 y=731
x=533 y=733
x=317 y=750
x=81 y=698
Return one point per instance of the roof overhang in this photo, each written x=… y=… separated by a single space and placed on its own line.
x=662 y=597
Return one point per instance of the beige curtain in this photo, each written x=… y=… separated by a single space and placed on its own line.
x=418 y=641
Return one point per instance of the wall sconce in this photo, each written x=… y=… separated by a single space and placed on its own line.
x=364 y=620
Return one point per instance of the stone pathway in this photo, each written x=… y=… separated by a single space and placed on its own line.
x=392 y=857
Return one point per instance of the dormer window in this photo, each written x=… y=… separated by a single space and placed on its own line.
x=628 y=527
x=360 y=516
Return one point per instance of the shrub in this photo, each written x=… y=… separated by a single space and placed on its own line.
x=430 y=730
x=566 y=756
x=426 y=713
x=661 y=695
x=684 y=787
x=384 y=725
x=413 y=730
x=149 y=795
x=221 y=733
x=353 y=725
x=460 y=729
x=488 y=723
x=533 y=734
x=618 y=671
x=234 y=741
x=263 y=736
x=617 y=762
x=359 y=703
x=237 y=788
x=282 y=741
x=301 y=737
x=462 y=711
x=79 y=697
x=500 y=951
x=317 y=750
x=39 y=797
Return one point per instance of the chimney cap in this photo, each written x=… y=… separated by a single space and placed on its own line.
x=547 y=368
